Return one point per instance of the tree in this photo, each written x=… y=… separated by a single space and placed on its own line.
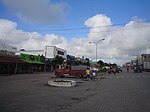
x=87 y=61
x=70 y=59
x=114 y=65
x=58 y=60
x=101 y=63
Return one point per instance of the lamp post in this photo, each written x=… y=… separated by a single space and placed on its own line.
x=96 y=46
x=45 y=59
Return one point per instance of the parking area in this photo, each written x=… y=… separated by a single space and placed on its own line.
x=30 y=93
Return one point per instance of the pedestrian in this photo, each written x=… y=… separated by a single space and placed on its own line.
x=114 y=71
x=91 y=73
x=127 y=69
x=88 y=73
x=94 y=72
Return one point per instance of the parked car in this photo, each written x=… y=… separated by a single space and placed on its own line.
x=69 y=70
x=137 y=70
x=118 y=70
x=110 y=70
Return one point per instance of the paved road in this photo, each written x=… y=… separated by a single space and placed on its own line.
x=124 y=92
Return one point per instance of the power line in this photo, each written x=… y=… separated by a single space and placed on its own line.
x=78 y=28
x=66 y=29
x=109 y=30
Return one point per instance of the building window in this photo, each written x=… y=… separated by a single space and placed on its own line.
x=60 y=52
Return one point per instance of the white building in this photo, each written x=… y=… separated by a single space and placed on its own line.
x=146 y=57
x=53 y=51
x=48 y=52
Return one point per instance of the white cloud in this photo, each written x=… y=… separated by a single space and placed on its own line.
x=39 y=11
x=122 y=43
x=27 y=40
x=97 y=24
x=6 y=24
x=9 y=32
x=133 y=40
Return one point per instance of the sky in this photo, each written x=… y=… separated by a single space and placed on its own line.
x=72 y=24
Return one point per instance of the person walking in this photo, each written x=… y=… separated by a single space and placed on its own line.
x=114 y=71
x=88 y=73
x=94 y=72
x=127 y=68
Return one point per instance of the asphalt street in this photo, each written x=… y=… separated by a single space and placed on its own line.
x=123 y=92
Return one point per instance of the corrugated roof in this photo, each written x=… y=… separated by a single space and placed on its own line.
x=10 y=60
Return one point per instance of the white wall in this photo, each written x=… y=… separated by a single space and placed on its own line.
x=49 y=50
x=32 y=52
x=52 y=52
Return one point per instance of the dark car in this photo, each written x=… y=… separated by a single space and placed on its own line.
x=137 y=70
x=118 y=70
x=110 y=70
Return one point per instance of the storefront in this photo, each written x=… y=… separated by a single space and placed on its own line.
x=19 y=65
x=13 y=65
x=36 y=62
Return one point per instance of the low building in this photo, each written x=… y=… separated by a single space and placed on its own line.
x=7 y=50
x=145 y=57
x=146 y=62
x=10 y=63
x=143 y=61
x=49 y=52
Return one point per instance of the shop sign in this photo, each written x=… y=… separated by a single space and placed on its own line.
x=31 y=58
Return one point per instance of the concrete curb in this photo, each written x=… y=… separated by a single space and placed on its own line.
x=62 y=83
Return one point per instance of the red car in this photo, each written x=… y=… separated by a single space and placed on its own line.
x=68 y=70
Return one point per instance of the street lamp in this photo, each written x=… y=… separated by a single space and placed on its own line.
x=45 y=59
x=96 y=46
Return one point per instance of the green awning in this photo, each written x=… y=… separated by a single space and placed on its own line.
x=31 y=58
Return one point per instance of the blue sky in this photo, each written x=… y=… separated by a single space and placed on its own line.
x=120 y=11
x=36 y=23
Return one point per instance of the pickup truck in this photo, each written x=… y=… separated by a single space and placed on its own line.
x=69 y=70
